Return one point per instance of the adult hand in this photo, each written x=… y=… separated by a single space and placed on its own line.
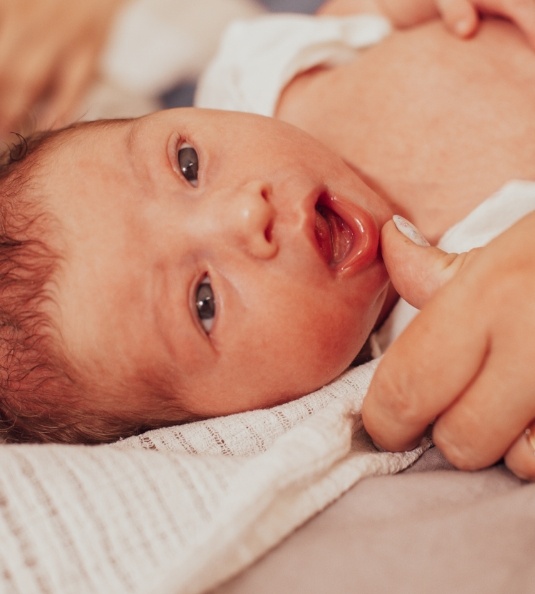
x=48 y=53
x=465 y=363
x=461 y=17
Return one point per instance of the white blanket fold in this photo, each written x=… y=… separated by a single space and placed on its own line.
x=183 y=508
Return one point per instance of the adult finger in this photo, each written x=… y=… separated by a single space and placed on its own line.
x=520 y=458
x=19 y=90
x=416 y=269
x=480 y=426
x=425 y=370
x=459 y=16
x=72 y=79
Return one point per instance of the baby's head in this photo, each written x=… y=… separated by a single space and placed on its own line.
x=187 y=264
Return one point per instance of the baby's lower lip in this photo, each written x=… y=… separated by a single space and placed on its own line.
x=333 y=234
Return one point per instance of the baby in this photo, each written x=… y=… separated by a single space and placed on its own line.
x=195 y=263
x=187 y=264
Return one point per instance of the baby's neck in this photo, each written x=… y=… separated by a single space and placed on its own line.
x=434 y=124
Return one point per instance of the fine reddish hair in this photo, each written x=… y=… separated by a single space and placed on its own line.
x=43 y=396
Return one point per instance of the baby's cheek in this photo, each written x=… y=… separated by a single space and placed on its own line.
x=334 y=341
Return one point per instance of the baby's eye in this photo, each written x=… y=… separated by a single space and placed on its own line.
x=205 y=304
x=188 y=161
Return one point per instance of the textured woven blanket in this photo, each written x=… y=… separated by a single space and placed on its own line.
x=180 y=509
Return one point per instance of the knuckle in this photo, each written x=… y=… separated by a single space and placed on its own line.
x=398 y=398
x=457 y=457
x=462 y=456
x=501 y=297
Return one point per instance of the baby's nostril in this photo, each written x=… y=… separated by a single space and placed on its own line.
x=265 y=192
x=323 y=200
x=268 y=232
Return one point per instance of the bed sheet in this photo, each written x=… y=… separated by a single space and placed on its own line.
x=428 y=529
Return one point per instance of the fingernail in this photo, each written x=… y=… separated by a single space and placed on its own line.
x=410 y=231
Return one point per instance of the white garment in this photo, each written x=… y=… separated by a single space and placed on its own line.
x=508 y=205
x=258 y=57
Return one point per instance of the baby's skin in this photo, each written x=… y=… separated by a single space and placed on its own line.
x=230 y=257
x=413 y=112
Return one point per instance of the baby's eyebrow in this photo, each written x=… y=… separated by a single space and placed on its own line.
x=130 y=145
x=142 y=160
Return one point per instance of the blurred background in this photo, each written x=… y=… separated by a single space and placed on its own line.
x=158 y=48
x=182 y=94
x=110 y=58
x=67 y=61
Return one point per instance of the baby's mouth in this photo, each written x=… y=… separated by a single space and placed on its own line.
x=333 y=234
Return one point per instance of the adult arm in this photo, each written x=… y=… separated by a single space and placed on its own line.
x=465 y=365
x=48 y=55
x=462 y=17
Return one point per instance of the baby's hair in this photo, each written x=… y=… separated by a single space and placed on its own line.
x=43 y=396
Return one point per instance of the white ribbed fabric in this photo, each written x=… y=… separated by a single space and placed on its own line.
x=180 y=509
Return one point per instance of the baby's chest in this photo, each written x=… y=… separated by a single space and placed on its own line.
x=423 y=114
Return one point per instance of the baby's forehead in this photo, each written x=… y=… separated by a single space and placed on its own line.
x=64 y=156
x=79 y=133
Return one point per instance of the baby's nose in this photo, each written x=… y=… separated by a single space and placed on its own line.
x=248 y=218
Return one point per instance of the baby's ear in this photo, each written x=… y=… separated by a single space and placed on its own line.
x=416 y=268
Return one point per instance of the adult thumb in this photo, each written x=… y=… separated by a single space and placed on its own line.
x=416 y=268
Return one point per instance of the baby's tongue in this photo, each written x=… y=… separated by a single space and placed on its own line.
x=334 y=236
x=341 y=237
x=323 y=237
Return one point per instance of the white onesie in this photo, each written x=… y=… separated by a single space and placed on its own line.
x=258 y=57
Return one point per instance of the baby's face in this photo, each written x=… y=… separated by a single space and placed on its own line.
x=231 y=255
